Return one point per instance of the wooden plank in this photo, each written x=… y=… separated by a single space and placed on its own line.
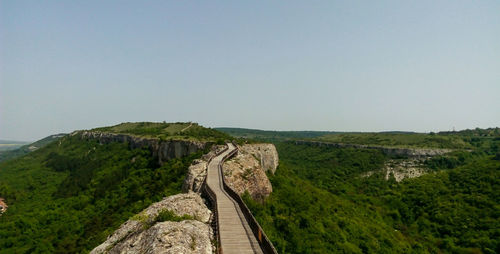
x=235 y=234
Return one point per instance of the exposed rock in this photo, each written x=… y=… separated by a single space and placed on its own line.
x=3 y=206
x=198 y=171
x=181 y=204
x=187 y=236
x=163 y=149
x=392 y=151
x=195 y=176
x=265 y=153
x=401 y=169
x=247 y=170
x=124 y=232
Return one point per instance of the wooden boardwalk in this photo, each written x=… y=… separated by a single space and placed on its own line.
x=235 y=233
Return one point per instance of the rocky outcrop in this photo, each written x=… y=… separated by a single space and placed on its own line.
x=246 y=171
x=401 y=169
x=143 y=234
x=391 y=151
x=265 y=153
x=195 y=176
x=198 y=171
x=3 y=206
x=163 y=149
x=187 y=236
x=181 y=204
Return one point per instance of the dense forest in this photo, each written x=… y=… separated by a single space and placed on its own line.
x=68 y=196
x=321 y=204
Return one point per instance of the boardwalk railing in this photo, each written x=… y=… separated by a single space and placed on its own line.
x=208 y=193
x=264 y=242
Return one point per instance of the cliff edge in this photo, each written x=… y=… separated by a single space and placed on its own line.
x=177 y=224
x=163 y=149
x=181 y=223
x=246 y=171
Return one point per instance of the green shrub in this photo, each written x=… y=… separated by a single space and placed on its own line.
x=167 y=215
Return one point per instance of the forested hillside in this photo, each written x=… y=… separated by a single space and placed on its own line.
x=262 y=135
x=69 y=195
x=25 y=149
x=321 y=204
x=466 y=139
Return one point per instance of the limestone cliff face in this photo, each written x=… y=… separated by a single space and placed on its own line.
x=196 y=175
x=266 y=154
x=142 y=234
x=164 y=150
x=198 y=171
x=393 y=151
x=246 y=171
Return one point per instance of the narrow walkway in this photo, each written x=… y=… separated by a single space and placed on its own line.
x=235 y=234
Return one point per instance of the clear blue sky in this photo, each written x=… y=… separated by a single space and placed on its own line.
x=278 y=65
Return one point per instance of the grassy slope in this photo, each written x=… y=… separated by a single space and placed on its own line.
x=68 y=196
x=177 y=131
x=271 y=135
x=399 y=140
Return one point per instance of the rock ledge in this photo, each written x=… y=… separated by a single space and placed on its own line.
x=142 y=234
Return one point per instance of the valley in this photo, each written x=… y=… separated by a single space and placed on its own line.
x=240 y=127
x=405 y=192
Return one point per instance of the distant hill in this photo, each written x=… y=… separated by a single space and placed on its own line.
x=398 y=132
x=263 y=135
x=6 y=145
x=23 y=149
x=466 y=139
x=12 y=142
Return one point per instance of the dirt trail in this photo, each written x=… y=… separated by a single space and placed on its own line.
x=191 y=124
